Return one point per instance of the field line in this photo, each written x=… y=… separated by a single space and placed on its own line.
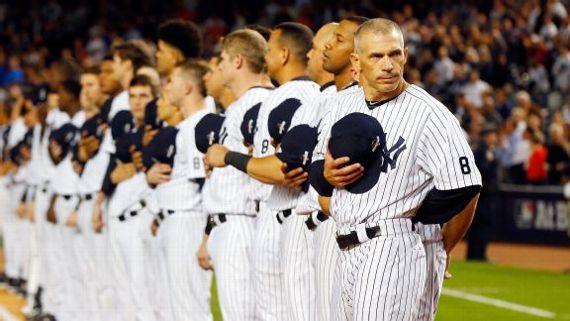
x=6 y=315
x=498 y=303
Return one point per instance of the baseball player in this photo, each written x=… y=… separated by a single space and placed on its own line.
x=335 y=59
x=174 y=166
x=225 y=194
x=283 y=279
x=402 y=132
x=66 y=198
x=214 y=86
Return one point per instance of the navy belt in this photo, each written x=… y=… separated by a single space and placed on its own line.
x=351 y=239
x=164 y=213
x=123 y=217
x=313 y=222
x=282 y=215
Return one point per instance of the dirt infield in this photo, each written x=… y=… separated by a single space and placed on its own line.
x=547 y=258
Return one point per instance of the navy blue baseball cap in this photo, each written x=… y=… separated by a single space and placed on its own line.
x=151 y=115
x=162 y=148
x=66 y=137
x=121 y=124
x=93 y=127
x=124 y=144
x=249 y=124
x=297 y=147
x=207 y=131
x=40 y=93
x=28 y=138
x=362 y=139
x=280 y=118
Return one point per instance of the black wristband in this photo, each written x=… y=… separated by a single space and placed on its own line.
x=237 y=160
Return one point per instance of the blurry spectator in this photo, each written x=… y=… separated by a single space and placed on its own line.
x=486 y=66
x=444 y=66
x=502 y=103
x=475 y=88
x=561 y=70
x=558 y=158
x=433 y=85
x=96 y=46
x=548 y=30
x=524 y=104
x=492 y=117
x=486 y=158
x=536 y=170
x=14 y=73
x=539 y=83
x=521 y=156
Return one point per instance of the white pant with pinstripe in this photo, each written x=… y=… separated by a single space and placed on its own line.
x=297 y=263
x=230 y=247
x=267 y=278
x=188 y=285
x=326 y=256
x=379 y=278
x=435 y=268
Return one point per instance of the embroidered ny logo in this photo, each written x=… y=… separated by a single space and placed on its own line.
x=390 y=159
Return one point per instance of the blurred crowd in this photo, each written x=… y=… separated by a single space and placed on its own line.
x=503 y=67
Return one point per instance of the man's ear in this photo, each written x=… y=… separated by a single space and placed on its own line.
x=355 y=61
x=285 y=55
x=238 y=62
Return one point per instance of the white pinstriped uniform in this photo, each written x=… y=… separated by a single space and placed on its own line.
x=284 y=250
x=66 y=182
x=180 y=234
x=230 y=244
x=378 y=279
x=326 y=249
x=435 y=270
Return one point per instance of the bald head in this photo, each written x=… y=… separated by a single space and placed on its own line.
x=380 y=27
x=315 y=55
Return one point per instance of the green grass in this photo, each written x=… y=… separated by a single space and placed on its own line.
x=543 y=290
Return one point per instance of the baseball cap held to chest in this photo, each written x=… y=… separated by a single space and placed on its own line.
x=280 y=118
x=207 y=131
x=162 y=148
x=362 y=139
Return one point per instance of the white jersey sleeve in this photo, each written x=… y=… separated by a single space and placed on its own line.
x=445 y=154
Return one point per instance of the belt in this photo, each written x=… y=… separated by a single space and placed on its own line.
x=313 y=222
x=351 y=239
x=123 y=217
x=282 y=215
x=67 y=197
x=164 y=213
x=87 y=197
x=362 y=234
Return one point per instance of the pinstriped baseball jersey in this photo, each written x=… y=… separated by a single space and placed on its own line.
x=429 y=233
x=93 y=173
x=307 y=92
x=425 y=148
x=210 y=104
x=226 y=190
x=182 y=192
x=127 y=194
x=65 y=179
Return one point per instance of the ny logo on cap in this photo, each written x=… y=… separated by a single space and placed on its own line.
x=281 y=126
x=375 y=143
x=211 y=136
x=170 y=151
x=305 y=158
x=250 y=126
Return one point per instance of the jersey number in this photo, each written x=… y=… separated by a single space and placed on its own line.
x=264 y=146
x=464 y=162
x=196 y=163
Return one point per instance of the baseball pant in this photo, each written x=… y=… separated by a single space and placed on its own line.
x=188 y=285
x=297 y=263
x=435 y=270
x=230 y=247
x=326 y=256
x=379 y=278
x=267 y=278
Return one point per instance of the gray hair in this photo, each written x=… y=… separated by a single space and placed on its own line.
x=380 y=26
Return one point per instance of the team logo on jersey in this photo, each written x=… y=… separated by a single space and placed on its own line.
x=390 y=156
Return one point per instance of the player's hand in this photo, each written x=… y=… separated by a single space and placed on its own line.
x=294 y=178
x=21 y=210
x=215 y=156
x=339 y=175
x=88 y=146
x=97 y=218
x=148 y=135
x=447 y=275
x=123 y=172
x=137 y=157
x=153 y=228
x=207 y=168
x=203 y=256
x=30 y=215
x=55 y=151
x=71 y=219
x=159 y=173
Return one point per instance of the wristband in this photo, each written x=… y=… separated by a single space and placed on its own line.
x=237 y=160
